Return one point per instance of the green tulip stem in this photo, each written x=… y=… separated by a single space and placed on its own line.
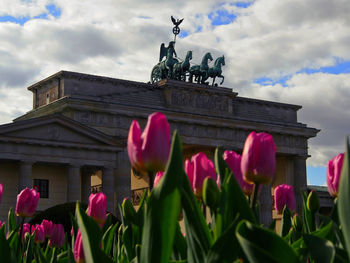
x=151 y=180
x=20 y=235
x=255 y=197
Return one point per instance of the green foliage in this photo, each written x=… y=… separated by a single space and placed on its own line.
x=220 y=228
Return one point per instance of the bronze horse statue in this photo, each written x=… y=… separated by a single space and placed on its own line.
x=180 y=68
x=200 y=72
x=216 y=71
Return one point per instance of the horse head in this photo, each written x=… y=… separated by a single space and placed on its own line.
x=208 y=56
x=220 y=60
x=189 y=54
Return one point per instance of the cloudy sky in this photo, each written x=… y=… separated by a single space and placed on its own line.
x=292 y=51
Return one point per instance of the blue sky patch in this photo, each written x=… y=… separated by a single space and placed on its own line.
x=340 y=67
x=264 y=81
x=183 y=33
x=242 y=4
x=316 y=175
x=221 y=17
x=51 y=9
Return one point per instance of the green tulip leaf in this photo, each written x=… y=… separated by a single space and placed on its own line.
x=128 y=242
x=180 y=245
x=226 y=248
x=198 y=236
x=220 y=165
x=5 y=251
x=344 y=198
x=263 y=245
x=320 y=249
x=162 y=209
x=286 y=221
x=108 y=238
x=11 y=221
x=307 y=216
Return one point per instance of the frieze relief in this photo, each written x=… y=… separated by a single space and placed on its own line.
x=199 y=100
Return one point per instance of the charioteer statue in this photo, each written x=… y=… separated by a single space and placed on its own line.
x=172 y=68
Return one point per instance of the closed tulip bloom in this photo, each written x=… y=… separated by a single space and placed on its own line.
x=149 y=151
x=47 y=225
x=189 y=170
x=78 y=249
x=26 y=229
x=233 y=161
x=197 y=170
x=259 y=158
x=39 y=234
x=27 y=201
x=333 y=174
x=57 y=237
x=284 y=195
x=97 y=207
x=0 y=193
x=159 y=176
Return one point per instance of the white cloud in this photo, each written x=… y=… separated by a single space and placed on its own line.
x=270 y=38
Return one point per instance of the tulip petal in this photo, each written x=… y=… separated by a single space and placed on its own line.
x=134 y=145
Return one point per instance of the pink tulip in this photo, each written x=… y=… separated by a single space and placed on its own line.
x=78 y=249
x=47 y=225
x=159 y=176
x=284 y=195
x=259 y=158
x=26 y=229
x=57 y=237
x=197 y=170
x=0 y=193
x=149 y=151
x=27 y=201
x=39 y=234
x=233 y=161
x=97 y=207
x=333 y=174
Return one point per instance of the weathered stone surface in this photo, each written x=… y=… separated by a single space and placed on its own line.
x=90 y=117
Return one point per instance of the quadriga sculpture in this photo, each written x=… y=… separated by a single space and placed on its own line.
x=200 y=72
x=180 y=68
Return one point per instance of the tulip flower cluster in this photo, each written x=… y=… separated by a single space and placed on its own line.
x=219 y=223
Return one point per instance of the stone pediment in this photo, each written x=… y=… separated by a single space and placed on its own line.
x=55 y=129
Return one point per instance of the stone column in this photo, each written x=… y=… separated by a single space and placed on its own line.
x=25 y=175
x=265 y=204
x=123 y=177
x=299 y=181
x=85 y=185
x=108 y=188
x=73 y=183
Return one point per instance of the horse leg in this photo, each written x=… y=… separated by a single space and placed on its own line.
x=213 y=81
x=222 y=81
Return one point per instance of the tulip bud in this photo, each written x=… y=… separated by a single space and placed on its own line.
x=149 y=151
x=333 y=174
x=313 y=202
x=284 y=195
x=211 y=193
x=197 y=170
x=26 y=229
x=297 y=223
x=57 y=237
x=233 y=161
x=97 y=207
x=47 y=225
x=27 y=201
x=159 y=176
x=259 y=158
x=39 y=234
x=78 y=249
x=128 y=210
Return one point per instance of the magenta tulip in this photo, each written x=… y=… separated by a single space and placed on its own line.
x=0 y=193
x=259 y=158
x=26 y=229
x=197 y=170
x=39 y=234
x=97 y=207
x=47 y=225
x=27 y=201
x=284 y=195
x=233 y=161
x=333 y=174
x=159 y=176
x=57 y=237
x=78 y=249
x=149 y=151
